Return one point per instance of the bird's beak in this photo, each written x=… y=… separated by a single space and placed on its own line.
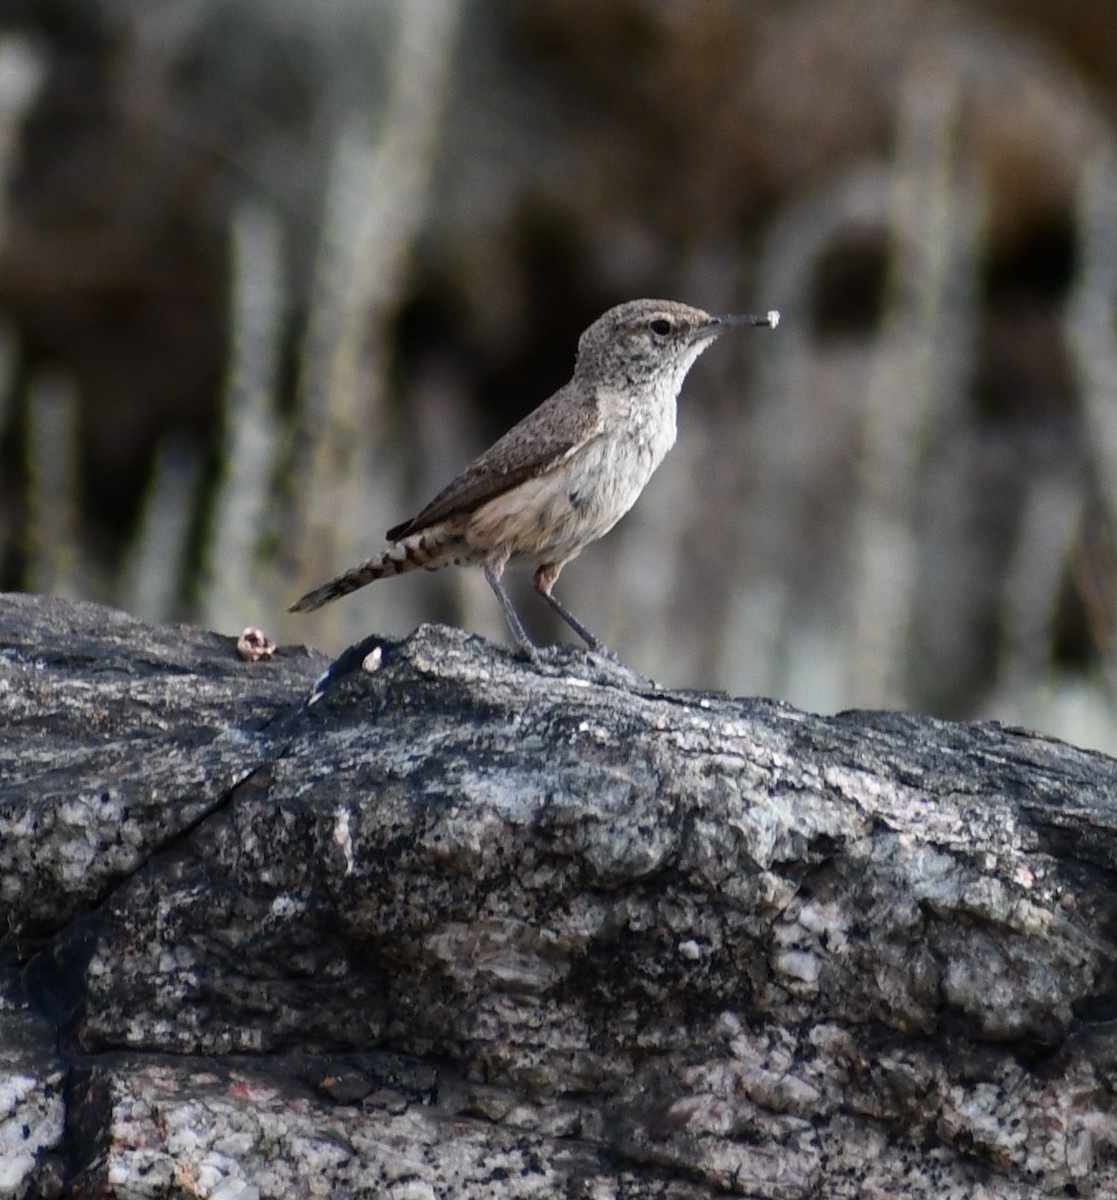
x=771 y=319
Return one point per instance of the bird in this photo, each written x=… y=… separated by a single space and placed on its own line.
x=565 y=474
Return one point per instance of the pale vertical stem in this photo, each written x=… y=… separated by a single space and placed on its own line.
x=22 y=70
x=152 y=575
x=1091 y=329
x=1051 y=518
x=916 y=384
x=377 y=198
x=233 y=593
x=1091 y=323
x=54 y=563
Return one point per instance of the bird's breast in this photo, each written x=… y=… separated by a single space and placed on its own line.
x=551 y=517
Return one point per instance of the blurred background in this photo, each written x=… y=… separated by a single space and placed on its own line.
x=271 y=272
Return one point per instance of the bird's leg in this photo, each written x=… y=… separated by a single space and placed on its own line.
x=526 y=646
x=545 y=580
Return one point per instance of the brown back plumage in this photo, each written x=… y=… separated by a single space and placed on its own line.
x=558 y=427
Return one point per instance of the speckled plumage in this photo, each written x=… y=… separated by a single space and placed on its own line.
x=563 y=476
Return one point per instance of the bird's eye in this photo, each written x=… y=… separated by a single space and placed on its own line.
x=661 y=326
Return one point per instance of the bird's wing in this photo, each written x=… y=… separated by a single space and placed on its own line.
x=533 y=446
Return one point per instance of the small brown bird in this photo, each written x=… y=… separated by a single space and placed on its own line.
x=564 y=475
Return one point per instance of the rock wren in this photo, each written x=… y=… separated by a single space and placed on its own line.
x=568 y=472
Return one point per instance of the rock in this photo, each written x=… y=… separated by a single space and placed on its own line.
x=465 y=926
x=32 y=1111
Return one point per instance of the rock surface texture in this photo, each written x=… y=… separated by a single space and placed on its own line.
x=469 y=927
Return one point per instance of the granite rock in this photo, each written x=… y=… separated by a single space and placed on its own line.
x=446 y=923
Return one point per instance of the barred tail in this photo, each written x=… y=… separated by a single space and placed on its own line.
x=431 y=549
